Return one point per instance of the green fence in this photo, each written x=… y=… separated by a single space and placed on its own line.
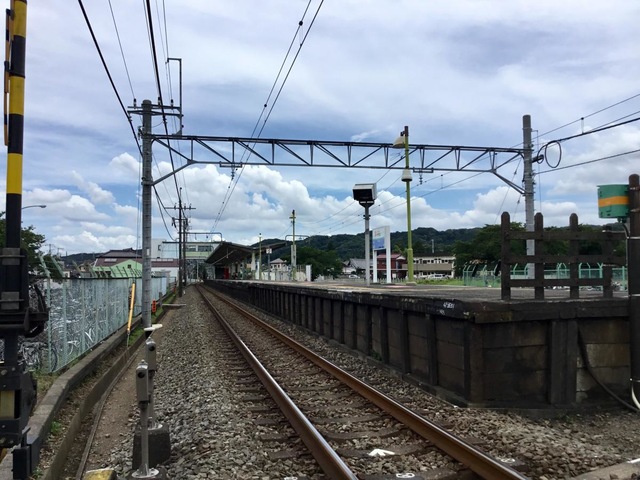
x=479 y=275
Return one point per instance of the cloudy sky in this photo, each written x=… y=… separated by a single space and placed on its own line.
x=458 y=73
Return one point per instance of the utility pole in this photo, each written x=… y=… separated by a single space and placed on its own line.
x=184 y=252
x=293 y=246
x=528 y=185
x=180 y=241
x=260 y=256
x=183 y=223
x=147 y=183
x=145 y=132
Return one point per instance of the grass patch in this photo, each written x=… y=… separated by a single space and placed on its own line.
x=135 y=334
x=44 y=380
x=56 y=428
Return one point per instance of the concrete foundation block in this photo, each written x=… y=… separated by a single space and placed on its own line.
x=158 y=473
x=159 y=446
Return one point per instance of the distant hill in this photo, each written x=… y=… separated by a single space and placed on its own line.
x=425 y=241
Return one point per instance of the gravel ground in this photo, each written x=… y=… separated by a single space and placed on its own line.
x=213 y=436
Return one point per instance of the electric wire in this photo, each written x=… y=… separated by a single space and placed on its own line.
x=106 y=68
x=163 y=33
x=161 y=207
x=403 y=202
x=157 y=78
x=124 y=61
x=591 y=114
x=230 y=191
x=596 y=130
x=608 y=157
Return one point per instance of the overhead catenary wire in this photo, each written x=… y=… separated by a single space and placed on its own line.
x=230 y=191
x=106 y=68
x=403 y=202
x=600 y=159
x=124 y=60
x=163 y=33
x=157 y=79
x=592 y=114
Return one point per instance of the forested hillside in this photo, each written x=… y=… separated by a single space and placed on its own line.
x=426 y=241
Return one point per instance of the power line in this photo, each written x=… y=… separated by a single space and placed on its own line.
x=157 y=78
x=126 y=69
x=230 y=189
x=594 y=130
x=590 y=161
x=113 y=85
x=592 y=114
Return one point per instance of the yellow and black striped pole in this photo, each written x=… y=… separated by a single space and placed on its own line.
x=17 y=393
x=15 y=120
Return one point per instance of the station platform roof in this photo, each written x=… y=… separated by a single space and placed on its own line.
x=228 y=253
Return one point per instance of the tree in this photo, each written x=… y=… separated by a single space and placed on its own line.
x=322 y=262
x=485 y=247
x=32 y=242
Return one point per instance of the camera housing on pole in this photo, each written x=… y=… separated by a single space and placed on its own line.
x=365 y=194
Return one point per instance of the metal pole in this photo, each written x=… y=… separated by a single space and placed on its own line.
x=147 y=182
x=406 y=178
x=260 y=257
x=180 y=257
x=367 y=245
x=633 y=259
x=293 y=247
x=184 y=254
x=528 y=186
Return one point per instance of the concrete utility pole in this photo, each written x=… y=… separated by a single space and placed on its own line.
x=180 y=243
x=184 y=253
x=293 y=246
x=528 y=185
x=147 y=183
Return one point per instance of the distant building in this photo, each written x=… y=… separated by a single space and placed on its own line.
x=426 y=266
x=278 y=265
x=398 y=266
x=128 y=264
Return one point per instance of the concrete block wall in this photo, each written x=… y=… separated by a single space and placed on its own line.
x=523 y=354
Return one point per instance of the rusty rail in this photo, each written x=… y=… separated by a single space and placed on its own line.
x=327 y=458
x=476 y=460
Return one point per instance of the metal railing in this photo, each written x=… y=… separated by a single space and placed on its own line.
x=483 y=275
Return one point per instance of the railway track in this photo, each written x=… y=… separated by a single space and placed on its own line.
x=350 y=429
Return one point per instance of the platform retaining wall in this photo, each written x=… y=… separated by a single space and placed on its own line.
x=524 y=354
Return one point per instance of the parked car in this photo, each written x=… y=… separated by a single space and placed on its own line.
x=437 y=276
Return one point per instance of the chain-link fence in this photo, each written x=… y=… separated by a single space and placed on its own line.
x=82 y=313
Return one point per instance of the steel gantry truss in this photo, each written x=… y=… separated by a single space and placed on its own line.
x=236 y=152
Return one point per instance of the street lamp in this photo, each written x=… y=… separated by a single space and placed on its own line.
x=34 y=206
x=403 y=141
x=365 y=194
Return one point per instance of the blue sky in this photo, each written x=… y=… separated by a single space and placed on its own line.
x=459 y=72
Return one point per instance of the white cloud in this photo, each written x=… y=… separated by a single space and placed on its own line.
x=98 y=195
x=461 y=72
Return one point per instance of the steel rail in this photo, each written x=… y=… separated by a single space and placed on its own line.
x=476 y=460
x=329 y=461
